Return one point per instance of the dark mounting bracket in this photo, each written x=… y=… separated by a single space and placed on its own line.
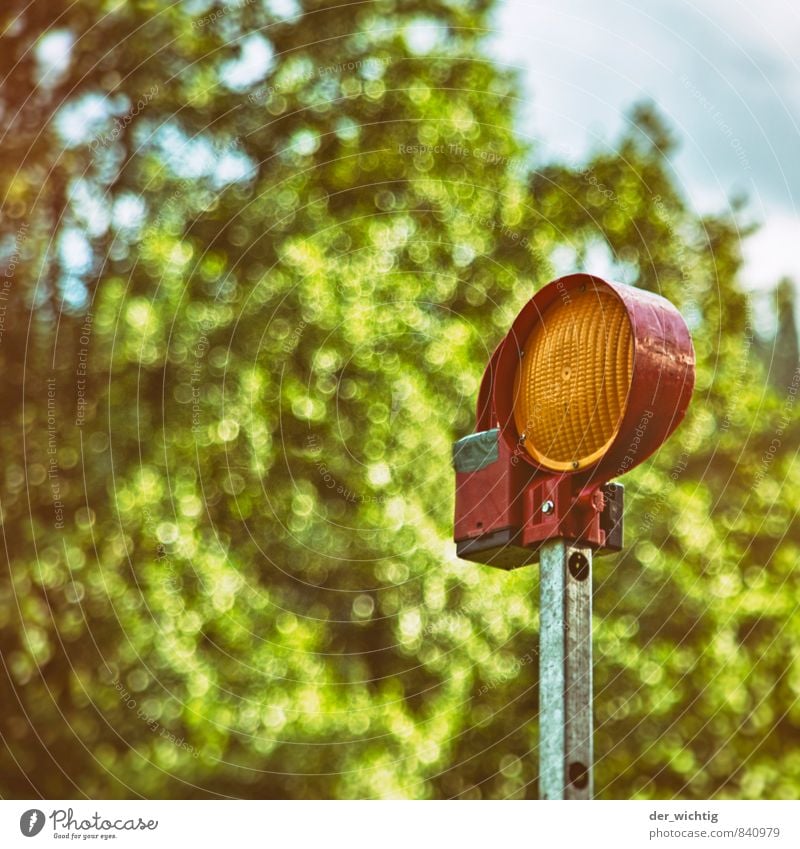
x=505 y=510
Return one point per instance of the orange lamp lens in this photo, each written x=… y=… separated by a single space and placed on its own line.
x=573 y=379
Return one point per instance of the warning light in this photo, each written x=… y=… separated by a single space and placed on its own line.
x=589 y=381
x=573 y=379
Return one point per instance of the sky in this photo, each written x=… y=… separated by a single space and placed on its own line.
x=725 y=74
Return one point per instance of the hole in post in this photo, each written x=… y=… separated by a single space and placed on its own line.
x=578 y=566
x=578 y=775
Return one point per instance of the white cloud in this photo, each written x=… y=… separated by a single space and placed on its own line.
x=723 y=73
x=772 y=252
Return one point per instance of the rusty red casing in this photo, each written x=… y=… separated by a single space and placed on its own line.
x=499 y=515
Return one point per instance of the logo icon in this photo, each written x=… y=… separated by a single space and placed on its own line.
x=31 y=822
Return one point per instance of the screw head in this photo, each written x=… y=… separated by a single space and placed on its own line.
x=548 y=507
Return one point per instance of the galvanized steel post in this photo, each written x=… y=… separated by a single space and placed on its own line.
x=565 y=672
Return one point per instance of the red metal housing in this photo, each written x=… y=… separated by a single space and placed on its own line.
x=507 y=504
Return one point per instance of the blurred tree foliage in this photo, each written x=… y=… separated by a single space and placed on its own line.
x=254 y=258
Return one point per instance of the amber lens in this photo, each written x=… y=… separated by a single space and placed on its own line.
x=573 y=379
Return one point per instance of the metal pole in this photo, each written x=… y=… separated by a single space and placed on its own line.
x=565 y=672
